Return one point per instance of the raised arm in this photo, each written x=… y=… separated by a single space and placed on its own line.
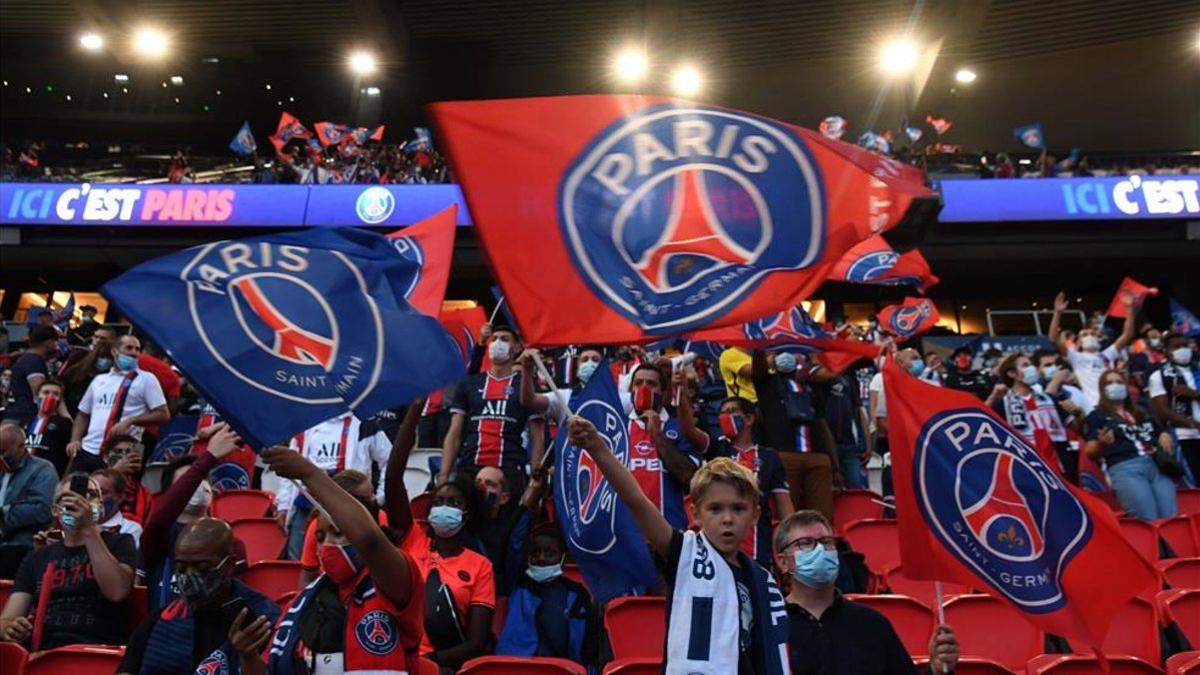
x=656 y=529
x=1055 y=332
x=687 y=417
x=1127 y=330
x=395 y=492
x=388 y=566
x=450 y=445
x=529 y=398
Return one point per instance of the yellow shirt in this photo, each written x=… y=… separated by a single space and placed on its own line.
x=732 y=360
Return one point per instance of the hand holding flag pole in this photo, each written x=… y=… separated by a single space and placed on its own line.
x=562 y=399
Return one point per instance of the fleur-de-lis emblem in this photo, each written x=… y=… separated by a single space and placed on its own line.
x=1011 y=537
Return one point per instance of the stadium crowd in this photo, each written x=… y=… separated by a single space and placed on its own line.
x=752 y=448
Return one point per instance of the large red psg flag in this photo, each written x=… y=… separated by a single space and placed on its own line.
x=430 y=244
x=978 y=506
x=873 y=261
x=625 y=218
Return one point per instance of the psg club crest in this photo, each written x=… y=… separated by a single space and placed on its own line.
x=214 y=664
x=783 y=326
x=410 y=249
x=870 y=267
x=673 y=214
x=376 y=634
x=995 y=506
x=905 y=320
x=228 y=476
x=286 y=338
x=374 y=205
x=589 y=498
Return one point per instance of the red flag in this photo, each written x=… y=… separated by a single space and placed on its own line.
x=377 y=135
x=940 y=125
x=655 y=217
x=290 y=127
x=330 y=133
x=430 y=244
x=910 y=318
x=464 y=325
x=791 y=330
x=976 y=505
x=1129 y=292
x=873 y=261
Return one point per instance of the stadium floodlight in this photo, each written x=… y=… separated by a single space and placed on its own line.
x=150 y=42
x=686 y=81
x=362 y=63
x=120 y=78
x=371 y=91
x=898 y=57
x=965 y=76
x=177 y=80
x=93 y=42
x=631 y=65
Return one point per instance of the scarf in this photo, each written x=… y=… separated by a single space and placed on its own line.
x=119 y=399
x=169 y=646
x=704 y=627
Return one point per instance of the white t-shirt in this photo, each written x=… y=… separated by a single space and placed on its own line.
x=881 y=400
x=145 y=394
x=325 y=447
x=1157 y=388
x=122 y=525
x=1087 y=367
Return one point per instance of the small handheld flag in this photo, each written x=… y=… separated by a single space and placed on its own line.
x=940 y=125
x=1031 y=135
x=833 y=127
x=1183 y=322
x=1129 y=292
x=910 y=318
x=874 y=262
x=243 y=141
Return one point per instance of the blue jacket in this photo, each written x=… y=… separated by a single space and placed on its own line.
x=520 y=635
x=26 y=506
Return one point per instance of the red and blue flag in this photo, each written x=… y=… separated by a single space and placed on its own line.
x=282 y=331
x=1183 y=322
x=636 y=218
x=940 y=125
x=464 y=325
x=1130 y=292
x=331 y=133
x=290 y=127
x=598 y=527
x=978 y=506
x=1031 y=135
x=910 y=318
x=833 y=127
x=430 y=244
x=792 y=331
x=873 y=261
x=243 y=142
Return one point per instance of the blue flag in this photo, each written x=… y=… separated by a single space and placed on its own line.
x=1183 y=322
x=282 y=331
x=1031 y=135
x=243 y=142
x=599 y=530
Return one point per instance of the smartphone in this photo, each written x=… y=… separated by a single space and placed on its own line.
x=54 y=535
x=80 y=484
x=232 y=607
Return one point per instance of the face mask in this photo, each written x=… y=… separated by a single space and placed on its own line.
x=498 y=351
x=197 y=588
x=1029 y=375
x=731 y=424
x=1089 y=342
x=47 y=404
x=108 y=509
x=645 y=398
x=67 y=520
x=816 y=568
x=200 y=499
x=586 y=370
x=916 y=367
x=1182 y=355
x=544 y=573
x=1155 y=343
x=1116 y=391
x=1048 y=372
x=963 y=362
x=490 y=497
x=126 y=363
x=103 y=364
x=785 y=363
x=341 y=563
x=446 y=521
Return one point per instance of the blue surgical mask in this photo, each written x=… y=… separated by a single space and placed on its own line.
x=104 y=364
x=1117 y=391
x=785 y=363
x=1048 y=372
x=67 y=520
x=126 y=363
x=586 y=370
x=816 y=568
x=916 y=367
x=544 y=573
x=1029 y=375
x=446 y=521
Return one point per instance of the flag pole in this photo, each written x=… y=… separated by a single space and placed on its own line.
x=941 y=613
x=562 y=399
x=499 y=304
x=686 y=347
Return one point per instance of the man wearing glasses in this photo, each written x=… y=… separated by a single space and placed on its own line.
x=828 y=633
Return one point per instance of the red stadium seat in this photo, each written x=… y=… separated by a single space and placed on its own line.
x=643 y=666
x=283 y=600
x=1133 y=632
x=1183 y=607
x=1061 y=664
x=878 y=540
x=1181 y=533
x=990 y=628
x=76 y=660
x=1142 y=536
x=12 y=658
x=234 y=505
x=273 y=578
x=1184 y=663
x=1188 y=501
x=970 y=665
x=1181 y=572
x=637 y=627
x=520 y=665
x=854 y=505
x=428 y=667
x=5 y=591
x=918 y=588
x=263 y=538
x=420 y=506
x=912 y=619
x=136 y=605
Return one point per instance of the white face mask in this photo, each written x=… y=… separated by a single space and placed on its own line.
x=200 y=499
x=499 y=351
x=1089 y=342
x=1182 y=355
